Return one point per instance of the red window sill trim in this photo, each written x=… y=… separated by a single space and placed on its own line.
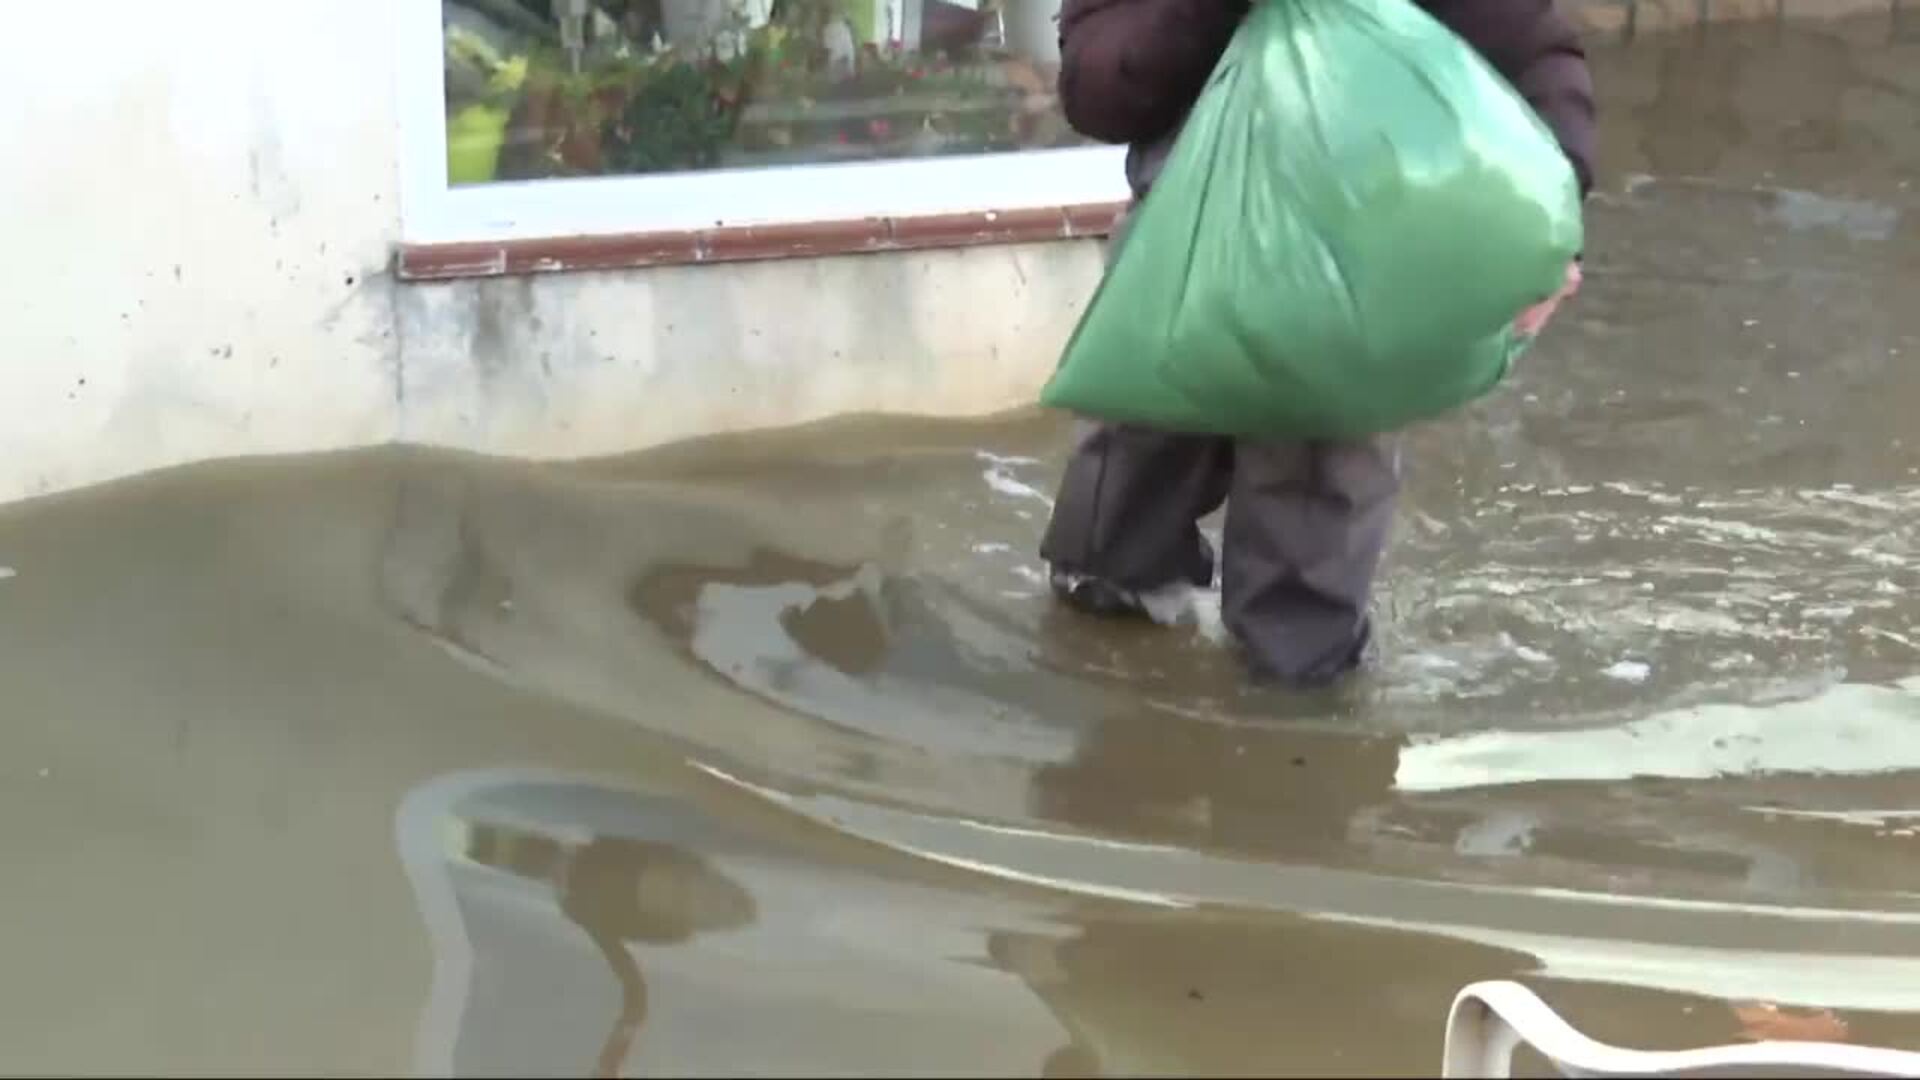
x=560 y=254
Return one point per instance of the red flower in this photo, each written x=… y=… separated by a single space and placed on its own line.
x=879 y=129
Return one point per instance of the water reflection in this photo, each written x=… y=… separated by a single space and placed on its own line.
x=621 y=892
x=1288 y=793
x=1223 y=994
x=731 y=950
x=889 y=655
x=618 y=889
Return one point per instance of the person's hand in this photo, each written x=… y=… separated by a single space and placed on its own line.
x=1534 y=319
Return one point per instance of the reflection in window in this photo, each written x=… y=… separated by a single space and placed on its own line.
x=564 y=88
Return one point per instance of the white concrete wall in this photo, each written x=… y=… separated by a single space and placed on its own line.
x=198 y=201
x=593 y=364
x=200 y=204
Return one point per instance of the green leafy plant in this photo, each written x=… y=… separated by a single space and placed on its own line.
x=677 y=115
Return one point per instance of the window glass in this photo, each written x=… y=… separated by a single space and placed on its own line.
x=568 y=88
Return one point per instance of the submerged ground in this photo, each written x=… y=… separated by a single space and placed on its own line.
x=768 y=755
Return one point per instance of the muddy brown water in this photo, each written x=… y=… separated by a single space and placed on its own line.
x=768 y=754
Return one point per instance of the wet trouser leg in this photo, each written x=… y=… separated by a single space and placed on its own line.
x=1307 y=524
x=1130 y=503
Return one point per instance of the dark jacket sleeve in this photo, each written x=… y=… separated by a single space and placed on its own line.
x=1130 y=69
x=1538 y=50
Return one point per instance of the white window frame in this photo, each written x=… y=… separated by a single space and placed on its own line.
x=433 y=211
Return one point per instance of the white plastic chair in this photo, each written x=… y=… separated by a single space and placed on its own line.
x=1490 y=1020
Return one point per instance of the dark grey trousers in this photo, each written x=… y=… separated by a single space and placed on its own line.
x=1306 y=525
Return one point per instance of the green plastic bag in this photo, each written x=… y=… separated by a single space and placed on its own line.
x=1338 y=243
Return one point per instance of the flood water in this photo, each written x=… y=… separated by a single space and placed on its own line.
x=770 y=755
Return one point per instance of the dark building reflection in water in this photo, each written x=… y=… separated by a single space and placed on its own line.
x=620 y=892
x=577 y=850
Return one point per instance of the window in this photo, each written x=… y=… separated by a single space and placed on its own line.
x=577 y=117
